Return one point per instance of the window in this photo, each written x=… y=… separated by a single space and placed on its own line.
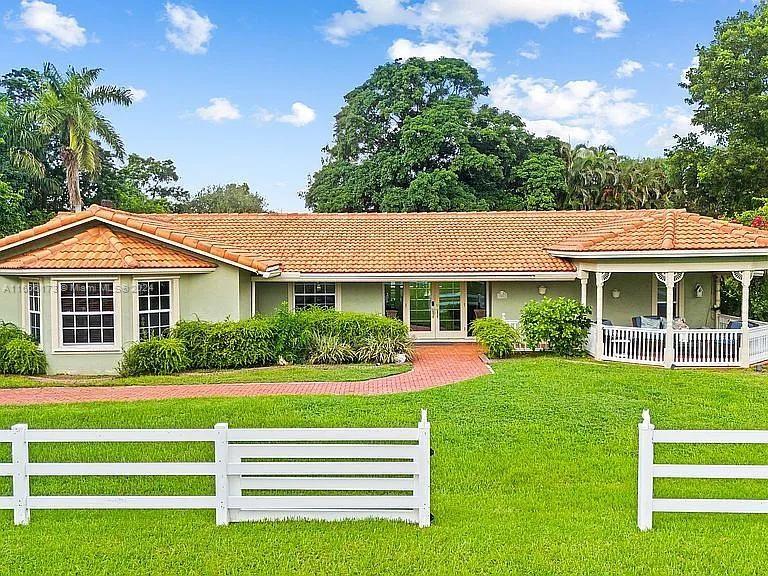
x=87 y=313
x=661 y=299
x=33 y=307
x=307 y=294
x=154 y=308
x=393 y=300
x=477 y=303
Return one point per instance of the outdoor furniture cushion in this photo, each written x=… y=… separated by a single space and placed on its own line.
x=736 y=325
x=652 y=322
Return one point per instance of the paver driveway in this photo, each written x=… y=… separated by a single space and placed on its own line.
x=433 y=365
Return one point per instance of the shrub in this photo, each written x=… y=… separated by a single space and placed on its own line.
x=228 y=344
x=10 y=332
x=293 y=336
x=498 y=338
x=381 y=348
x=157 y=356
x=329 y=349
x=562 y=323
x=22 y=356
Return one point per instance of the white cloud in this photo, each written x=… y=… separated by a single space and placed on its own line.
x=189 y=31
x=218 y=110
x=627 y=68
x=465 y=23
x=50 y=26
x=300 y=115
x=579 y=110
x=137 y=94
x=531 y=51
x=677 y=123
x=403 y=49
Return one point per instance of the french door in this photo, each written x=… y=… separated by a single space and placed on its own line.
x=436 y=309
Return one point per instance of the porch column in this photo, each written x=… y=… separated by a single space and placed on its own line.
x=601 y=278
x=670 y=279
x=584 y=276
x=745 y=277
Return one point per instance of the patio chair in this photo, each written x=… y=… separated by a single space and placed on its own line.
x=736 y=325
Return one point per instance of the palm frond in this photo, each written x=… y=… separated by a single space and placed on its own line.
x=109 y=135
x=25 y=161
x=110 y=95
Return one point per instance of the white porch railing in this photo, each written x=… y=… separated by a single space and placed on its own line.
x=724 y=319
x=635 y=345
x=706 y=347
x=758 y=344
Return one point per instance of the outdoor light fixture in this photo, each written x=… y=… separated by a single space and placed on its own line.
x=616 y=293
x=699 y=291
x=542 y=290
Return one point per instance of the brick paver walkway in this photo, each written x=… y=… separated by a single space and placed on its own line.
x=433 y=365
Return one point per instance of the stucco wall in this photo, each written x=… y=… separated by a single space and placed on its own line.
x=10 y=299
x=213 y=296
x=361 y=297
x=269 y=295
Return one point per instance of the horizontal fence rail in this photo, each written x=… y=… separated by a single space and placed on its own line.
x=648 y=470
x=259 y=473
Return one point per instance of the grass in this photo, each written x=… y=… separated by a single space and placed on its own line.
x=299 y=373
x=534 y=472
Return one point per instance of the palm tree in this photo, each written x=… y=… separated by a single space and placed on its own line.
x=65 y=111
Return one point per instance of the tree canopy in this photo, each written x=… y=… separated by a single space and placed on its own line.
x=229 y=198
x=728 y=89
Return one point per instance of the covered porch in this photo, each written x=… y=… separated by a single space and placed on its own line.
x=663 y=336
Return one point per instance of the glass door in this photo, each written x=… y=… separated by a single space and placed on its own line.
x=448 y=296
x=420 y=309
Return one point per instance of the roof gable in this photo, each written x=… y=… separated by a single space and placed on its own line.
x=99 y=248
x=666 y=230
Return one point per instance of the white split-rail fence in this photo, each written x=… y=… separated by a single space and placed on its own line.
x=381 y=473
x=648 y=470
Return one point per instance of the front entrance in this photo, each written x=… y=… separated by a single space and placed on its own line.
x=437 y=310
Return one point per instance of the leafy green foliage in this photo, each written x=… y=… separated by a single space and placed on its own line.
x=22 y=356
x=414 y=137
x=498 y=339
x=156 y=356
x=228 y=344
x=19 y=354
x=385 y=347
x=561 y=323
x=329 y=349
x=154 y=179
x=225 y=199
x=727 y=90
x=290 y=336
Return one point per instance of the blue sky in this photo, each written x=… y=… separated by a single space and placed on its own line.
x=247 y=90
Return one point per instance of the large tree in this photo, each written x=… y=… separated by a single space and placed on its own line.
x=229 y=198
x=728 y=89
x=413 y=137
x=64 y=109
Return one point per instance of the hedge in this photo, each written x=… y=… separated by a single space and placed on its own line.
x=19 y=354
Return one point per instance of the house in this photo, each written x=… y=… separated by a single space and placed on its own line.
x=86 y=284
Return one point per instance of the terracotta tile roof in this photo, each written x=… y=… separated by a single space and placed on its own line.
x=666 y=230
x=419 y=242
x=100 y=247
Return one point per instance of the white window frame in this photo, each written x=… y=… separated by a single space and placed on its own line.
x=336 y=293
x=679 y=286
x=26 y=311
x=174 y=281
x=56 y=325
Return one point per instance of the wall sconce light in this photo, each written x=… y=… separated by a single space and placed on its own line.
x=501 y=295
x=542 y=290
x=699 y=291
x=616 y=293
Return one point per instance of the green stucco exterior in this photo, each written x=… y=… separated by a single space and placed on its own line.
x=230 y=293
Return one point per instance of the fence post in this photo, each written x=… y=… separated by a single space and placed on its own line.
x=424 y=471
x=221 y=458
x=645 y=473
x=20 y=459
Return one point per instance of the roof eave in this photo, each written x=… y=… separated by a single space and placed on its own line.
x=612 y=254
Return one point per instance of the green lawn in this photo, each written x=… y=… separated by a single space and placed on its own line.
x=534 y=472
x=300 y=373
